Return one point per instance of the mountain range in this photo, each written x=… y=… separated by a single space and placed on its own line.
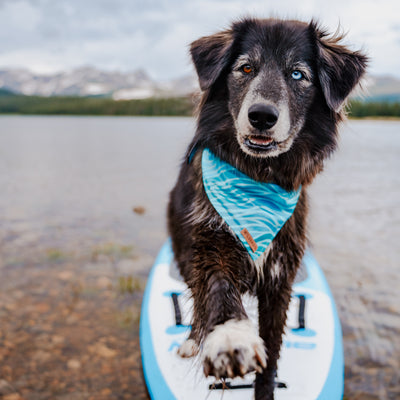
x=90 y=81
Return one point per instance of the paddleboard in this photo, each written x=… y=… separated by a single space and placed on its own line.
x=311 y=365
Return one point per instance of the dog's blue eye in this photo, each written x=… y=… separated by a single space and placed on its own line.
x=297 y=75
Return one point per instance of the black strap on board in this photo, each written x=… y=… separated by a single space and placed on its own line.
x=177 y=310
x=230 y=386
x=302 y=310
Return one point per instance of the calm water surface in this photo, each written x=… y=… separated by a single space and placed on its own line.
x=74 y=254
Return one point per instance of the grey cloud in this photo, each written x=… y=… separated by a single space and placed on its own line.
x=129 y=34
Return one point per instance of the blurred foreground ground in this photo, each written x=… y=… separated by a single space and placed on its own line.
x=82 y=216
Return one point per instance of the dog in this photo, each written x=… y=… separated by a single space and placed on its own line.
x=273 y=95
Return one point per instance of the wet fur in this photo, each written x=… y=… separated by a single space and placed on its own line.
x=212 y=260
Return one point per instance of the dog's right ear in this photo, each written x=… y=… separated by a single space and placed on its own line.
x=210 y=55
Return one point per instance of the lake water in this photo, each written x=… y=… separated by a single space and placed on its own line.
x=74 y=254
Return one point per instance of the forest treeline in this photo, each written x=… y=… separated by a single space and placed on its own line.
x=15 y=104
x=362 y=109
x=179 y=106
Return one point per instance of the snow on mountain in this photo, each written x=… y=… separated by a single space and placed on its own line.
x=89 y=81
x=133 y=93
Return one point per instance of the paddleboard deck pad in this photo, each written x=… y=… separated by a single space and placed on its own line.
x=310 y=367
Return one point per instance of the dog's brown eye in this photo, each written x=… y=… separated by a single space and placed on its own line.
x=247 y=68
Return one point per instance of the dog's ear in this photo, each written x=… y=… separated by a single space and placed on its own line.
x=210 y=55
x=339 y=69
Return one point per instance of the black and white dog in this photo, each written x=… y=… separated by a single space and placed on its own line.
x=273 y=95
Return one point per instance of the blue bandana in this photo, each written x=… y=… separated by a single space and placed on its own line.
x=255 y=211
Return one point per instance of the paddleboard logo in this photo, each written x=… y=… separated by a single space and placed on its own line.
x=249 y=239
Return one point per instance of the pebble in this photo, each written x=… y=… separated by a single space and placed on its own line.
x=103 y=351
x=42 y=307
x=42 y=356
x=74 y=364
x=140 y=210
x=105 y=392
x=66 y=275
x=103 y=282
x=57 y=339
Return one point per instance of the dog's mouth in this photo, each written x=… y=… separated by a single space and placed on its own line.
x=260 y=143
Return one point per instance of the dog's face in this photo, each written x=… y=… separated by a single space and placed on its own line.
x=273 y=70
x=270 y=88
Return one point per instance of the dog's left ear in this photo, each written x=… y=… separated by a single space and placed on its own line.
x=339 y=69
x=210 y=55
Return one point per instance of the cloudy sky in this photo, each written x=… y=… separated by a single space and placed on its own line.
x=53 y=35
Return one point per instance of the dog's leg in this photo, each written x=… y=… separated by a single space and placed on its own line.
x=272 y=317
x=231 y=344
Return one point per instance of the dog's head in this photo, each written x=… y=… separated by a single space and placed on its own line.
x=273 y=71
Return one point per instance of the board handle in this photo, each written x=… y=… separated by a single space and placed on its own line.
x=177 y=309
x=302 y=311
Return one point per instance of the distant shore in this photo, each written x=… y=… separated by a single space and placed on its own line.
x=176 y=106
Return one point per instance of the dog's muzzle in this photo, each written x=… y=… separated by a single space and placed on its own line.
x=262 y=117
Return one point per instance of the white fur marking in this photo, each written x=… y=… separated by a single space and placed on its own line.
x=260 y=262
x=188 y=349
x=201 y=213
x=276 y=270
x=282 y=128
x=242 y=122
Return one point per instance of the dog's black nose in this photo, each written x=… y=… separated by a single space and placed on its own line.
x=263 y=116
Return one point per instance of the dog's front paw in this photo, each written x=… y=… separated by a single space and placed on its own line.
x=188 y=349
x=233 y=349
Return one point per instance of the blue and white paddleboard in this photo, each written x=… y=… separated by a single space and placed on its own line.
x=311 y=365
